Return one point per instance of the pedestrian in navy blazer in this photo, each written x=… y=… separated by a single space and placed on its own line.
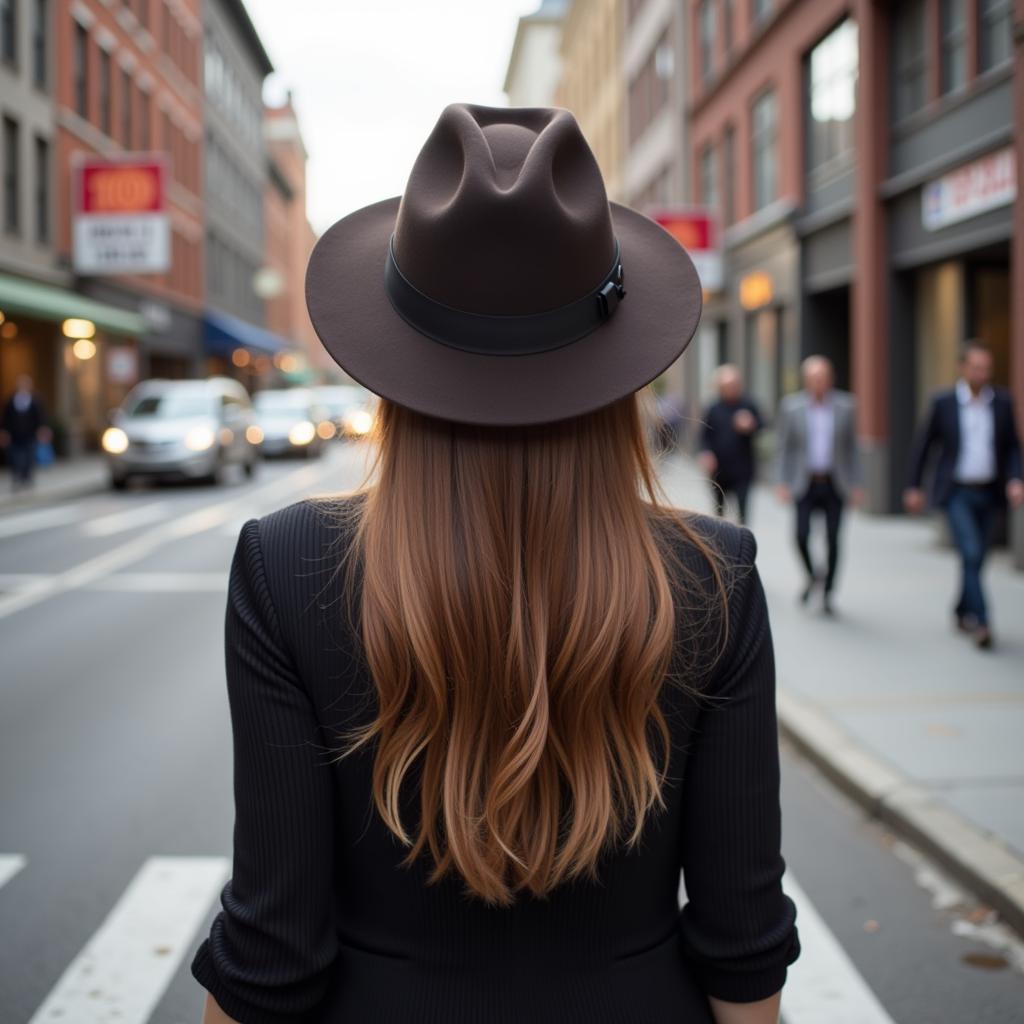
x=971 y=428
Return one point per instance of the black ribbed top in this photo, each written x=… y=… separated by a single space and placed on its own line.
x=321 y=923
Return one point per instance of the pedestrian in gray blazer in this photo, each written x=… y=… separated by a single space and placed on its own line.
x=818 y=465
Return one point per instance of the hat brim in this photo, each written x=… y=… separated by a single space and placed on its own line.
x=354 y=319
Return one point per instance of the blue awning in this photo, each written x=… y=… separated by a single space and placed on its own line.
x=223 y=334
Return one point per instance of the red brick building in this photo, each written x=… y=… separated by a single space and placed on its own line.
x=862 y=156
x=129 y=80
x=289 y=235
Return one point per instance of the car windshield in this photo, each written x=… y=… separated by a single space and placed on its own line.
x=172 y=405
x=281 y=402
x=340 y=399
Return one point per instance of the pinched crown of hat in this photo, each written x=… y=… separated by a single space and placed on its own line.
x=495 y=289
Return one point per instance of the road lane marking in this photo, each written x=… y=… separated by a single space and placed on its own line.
x=163 y=582
x=137 y=548
x=126 y=519
x=124 y=969
x=10 y=865
x=824 y=984
x=41 y=519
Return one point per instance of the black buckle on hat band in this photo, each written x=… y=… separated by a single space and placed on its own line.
x=503 y=335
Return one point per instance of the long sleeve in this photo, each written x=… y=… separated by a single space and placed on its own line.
x=1013 y=460
x=737 y=926
x=270 y=950
x=853 y=449
x=707 y=435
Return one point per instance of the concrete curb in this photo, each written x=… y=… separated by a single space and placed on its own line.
x=980 y=861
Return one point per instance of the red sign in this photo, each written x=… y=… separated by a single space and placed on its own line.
x=692 y=230
x=121 y=188
x=120 y=223
x=696 y=230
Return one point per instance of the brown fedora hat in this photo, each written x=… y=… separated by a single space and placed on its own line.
x=502 y=288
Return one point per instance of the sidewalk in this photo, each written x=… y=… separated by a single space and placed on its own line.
x=905 y=714
x=66 y=478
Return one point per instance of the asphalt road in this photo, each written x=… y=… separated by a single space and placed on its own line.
x=115 y=776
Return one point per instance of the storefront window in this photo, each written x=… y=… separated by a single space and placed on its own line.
x=709 y=176
x=832 y=83
x=995 y=33
x=763 y=144
x=910 y=53
x=954 y=45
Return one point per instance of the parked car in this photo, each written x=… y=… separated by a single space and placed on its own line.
x=342 y=402
x=181 y=428
x=289 y=422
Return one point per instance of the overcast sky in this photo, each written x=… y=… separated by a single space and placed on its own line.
x=370 y=78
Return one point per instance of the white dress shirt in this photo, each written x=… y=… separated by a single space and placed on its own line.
x=976 y=460
x=821 y=429
x=22 y=400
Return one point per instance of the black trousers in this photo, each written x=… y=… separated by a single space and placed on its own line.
x=723 y=486
x=821 y=496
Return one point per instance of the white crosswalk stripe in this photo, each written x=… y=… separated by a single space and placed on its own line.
x=122 y=972
x=39 y=519
x=128 y=519
x=10 y=865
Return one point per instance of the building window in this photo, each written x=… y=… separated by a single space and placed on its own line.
x=953 y=20
x=126 y=108
x=763 y=146
x=42 y=184
x=40 y=14
x=729 y=174
x=760 y=10
x=81 y=70
x=706 y=15
x=105 y=84
x=648 y=92
x=9 y=31
x=708 y=174
x=910 y=59
x=12 y=177
x=995 y=33
x=832 y=84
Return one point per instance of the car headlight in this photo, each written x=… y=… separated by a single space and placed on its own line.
x=253 y=434
x=114 y=441
x=359 y=421
x=302 y=433
x=198 y=439
x=326 y=430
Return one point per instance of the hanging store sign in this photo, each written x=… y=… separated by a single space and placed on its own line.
x=696 y=230
x=121 y=224
x=975 y=188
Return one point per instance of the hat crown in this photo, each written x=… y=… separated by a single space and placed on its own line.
x=505 y=212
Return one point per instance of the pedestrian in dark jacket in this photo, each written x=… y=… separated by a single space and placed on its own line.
x=971 y=427
x=727 y=443
x=24 y=425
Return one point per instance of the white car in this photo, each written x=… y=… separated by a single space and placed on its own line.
x=289 y=422
x=181 y=428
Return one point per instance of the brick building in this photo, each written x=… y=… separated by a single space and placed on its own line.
x=289 y=236
x=862 y=158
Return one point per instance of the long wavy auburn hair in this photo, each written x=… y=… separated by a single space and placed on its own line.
x=518 y=621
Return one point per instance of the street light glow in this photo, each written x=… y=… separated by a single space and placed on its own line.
x=76 y=327
x=84 y=349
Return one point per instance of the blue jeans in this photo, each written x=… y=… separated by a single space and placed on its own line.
x=971 y=511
